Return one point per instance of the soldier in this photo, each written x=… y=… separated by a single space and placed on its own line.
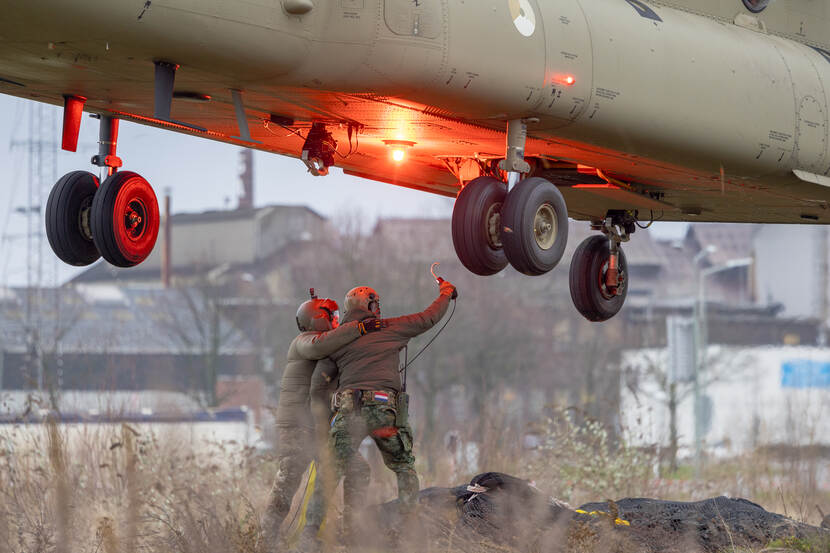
x=319 y=336
x=357 y=481
x=369 y=398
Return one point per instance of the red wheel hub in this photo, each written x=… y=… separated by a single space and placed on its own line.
x=610 y=287
x=136 y=219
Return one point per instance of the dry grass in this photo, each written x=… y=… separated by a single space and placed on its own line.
x=579 y=462
x=120 y=491
x=125 y=492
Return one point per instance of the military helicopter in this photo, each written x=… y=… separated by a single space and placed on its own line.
x=528 y=112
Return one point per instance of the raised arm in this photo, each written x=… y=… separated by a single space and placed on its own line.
x=410 y=326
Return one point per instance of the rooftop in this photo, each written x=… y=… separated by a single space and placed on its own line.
x=730 y=240
x=106 y=318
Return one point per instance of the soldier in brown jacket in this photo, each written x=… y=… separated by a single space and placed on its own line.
x=319 y=336
x=369 y=395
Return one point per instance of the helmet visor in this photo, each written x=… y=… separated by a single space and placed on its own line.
x=374 y=304
x=334 y=316
x=329 y=307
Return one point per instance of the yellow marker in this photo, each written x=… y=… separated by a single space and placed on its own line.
x=309 y=491
x=617 y=521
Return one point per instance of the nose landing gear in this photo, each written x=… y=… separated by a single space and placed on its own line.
x=67 y=218
x=118 y=220
x=599 y=271
x=125 y=219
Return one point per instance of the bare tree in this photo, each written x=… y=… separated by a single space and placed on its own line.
x=194 y=320
x=649 y=376
x=45 y=334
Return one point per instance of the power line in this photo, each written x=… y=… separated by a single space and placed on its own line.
x=41 y=173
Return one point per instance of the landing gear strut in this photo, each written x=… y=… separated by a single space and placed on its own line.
x=525 y=223
x=527 y=226
x=599 y=271
x=118 y=220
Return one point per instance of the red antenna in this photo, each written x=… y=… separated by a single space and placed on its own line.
x=312 y=294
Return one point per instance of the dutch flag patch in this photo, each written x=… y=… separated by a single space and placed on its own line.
x=381 y=396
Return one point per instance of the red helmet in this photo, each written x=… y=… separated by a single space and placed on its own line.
x=318 y=315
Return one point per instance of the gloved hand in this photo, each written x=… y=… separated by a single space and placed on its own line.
x=447 y=289
x=369 y=325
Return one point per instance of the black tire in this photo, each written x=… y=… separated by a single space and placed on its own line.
x=67 y=218
x=587 y=277
x=519 y=215
x=473 y=240
x=122 y=241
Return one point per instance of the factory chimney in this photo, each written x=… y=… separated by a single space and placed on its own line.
x=246 y=198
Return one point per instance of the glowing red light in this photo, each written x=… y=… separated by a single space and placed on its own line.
x=563 y=79
x=398 y=148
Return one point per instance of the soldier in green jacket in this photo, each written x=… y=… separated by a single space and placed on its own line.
x=319 y=336
x=369 y=399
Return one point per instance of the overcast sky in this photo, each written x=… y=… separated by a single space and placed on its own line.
x=201 y=175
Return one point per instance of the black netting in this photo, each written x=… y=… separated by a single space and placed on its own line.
x=711 y=524
x=500 y=512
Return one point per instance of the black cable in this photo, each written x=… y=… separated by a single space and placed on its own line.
x=636 y=222
x=293 y=131
x=346 y=155
x=349 y=134
x=651 y=211
x=267 y=125
x=437 y=334
x=352 y=147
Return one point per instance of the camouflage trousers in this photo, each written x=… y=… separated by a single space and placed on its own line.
x=295 y=454
x=348 y=429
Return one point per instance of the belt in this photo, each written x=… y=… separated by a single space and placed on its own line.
x=345 y=400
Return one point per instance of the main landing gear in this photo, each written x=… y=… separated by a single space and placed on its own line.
x=118 y=219
x=527 y=226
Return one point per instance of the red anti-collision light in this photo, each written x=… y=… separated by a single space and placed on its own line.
x=567 y=80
